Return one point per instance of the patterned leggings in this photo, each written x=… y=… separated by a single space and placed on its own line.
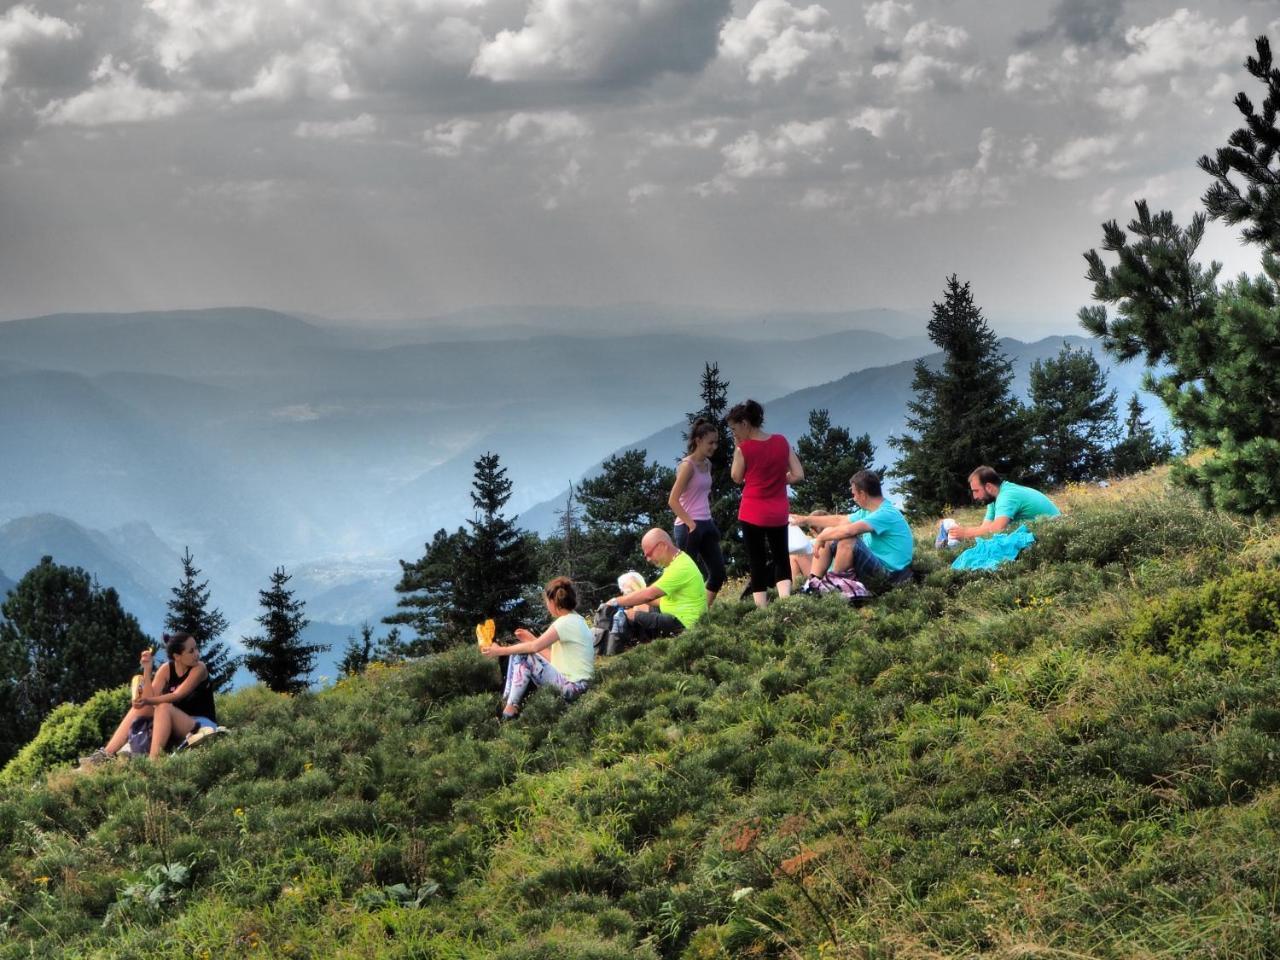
x=526 y=668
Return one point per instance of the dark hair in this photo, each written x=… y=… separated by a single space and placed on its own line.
x=987 y=475
x=175 y=642
x=699 y=430
x=748 y=411
x=561 y=592
x=867 y=482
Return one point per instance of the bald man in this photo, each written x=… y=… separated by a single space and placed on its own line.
x=680 y=592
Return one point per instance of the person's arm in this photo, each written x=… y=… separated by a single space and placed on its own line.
x=841 y=531
x=528 y=643
x=795 y=470
x=198 y=673
x=144 y=688
x=818 y=521
x=737 y=469
x=647 y=595
x=684 y=473
x=983 y=529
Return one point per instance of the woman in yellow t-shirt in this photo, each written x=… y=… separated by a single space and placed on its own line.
x=563 y=656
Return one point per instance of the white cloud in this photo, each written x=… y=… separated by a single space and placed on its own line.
x=889 y=16
x=547 y=127
x=115 y=97
x=875 y=120
x=643 y=191
x=316 y=71
x=1023 y=71
x=699 y=135
x=929 y=34
x=752 y=156
x=1082 y=156
x=1180 y=42
x=776 y=39
x=448 y=139
x=923 y=71
x=581 y=40
x=820 y=198
x=1128 y=103
x=21 y=26
x=353 y=129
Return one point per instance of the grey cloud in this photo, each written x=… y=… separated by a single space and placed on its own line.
x=1082 y=23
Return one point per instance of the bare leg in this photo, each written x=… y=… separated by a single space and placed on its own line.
x=711 y=597
x=168 y=720
x=761 y=597
x=801 y=564
x=784 y=588
x=121 y=736
x=821 y=559
x=844 y=555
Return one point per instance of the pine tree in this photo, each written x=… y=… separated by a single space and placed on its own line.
x=499 y=565
x=358 y=653
x=1140 y=448
x=1213 y=354
x=619 y=504
x=469 y=575
x=963 y=414
x=1072 y=418
x=831 y=455
x=428 y=589
x=278 y=656
x=391 y=648
x=189 y=613
x=62 y=638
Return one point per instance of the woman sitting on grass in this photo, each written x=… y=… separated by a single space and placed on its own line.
x=178 y=698
x=563 y=656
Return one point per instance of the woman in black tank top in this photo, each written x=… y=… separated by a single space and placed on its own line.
x=175 y=698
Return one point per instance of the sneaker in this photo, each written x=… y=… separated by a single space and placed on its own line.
x=98 y=757
x=201 y=734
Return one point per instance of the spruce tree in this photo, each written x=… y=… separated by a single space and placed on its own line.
x=358 y=653
x=1214 y=353
x=1072 y=418
x=189 y=612
x=499 y=563
x=1140 y=448
x=619 y=504
x=428 y=590
x=963 y=414
x=62 y=638
x=831 y=455
x=278 y=656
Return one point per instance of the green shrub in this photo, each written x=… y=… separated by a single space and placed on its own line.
x=70 y=731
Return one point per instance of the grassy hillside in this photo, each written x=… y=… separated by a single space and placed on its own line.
x=1078 y=757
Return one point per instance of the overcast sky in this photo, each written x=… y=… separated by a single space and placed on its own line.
x=402 y=158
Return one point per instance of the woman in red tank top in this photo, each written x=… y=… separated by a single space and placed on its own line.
x=764 y=464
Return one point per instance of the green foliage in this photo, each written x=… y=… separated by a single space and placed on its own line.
x=189 y=612
x=469 y=575
x=1230 y=622
x=358 y=653
x=1140 y=448
x=982 y=765
x=1217 y=351
x=1072 y=418
x=963 y=415
x=831 y=455
x=62 y=637
x=70 y=731
x=278 y=657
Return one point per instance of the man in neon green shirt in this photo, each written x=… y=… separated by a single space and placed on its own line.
x=681 y=592
x=1008 y=504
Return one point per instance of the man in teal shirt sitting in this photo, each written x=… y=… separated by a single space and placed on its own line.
x=874 y=541
x=1008 y=504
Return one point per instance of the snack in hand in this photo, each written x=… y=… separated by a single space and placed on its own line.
x=485 y=633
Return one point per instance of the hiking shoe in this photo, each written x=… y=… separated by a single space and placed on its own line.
x=201 y=734
x=98 y=757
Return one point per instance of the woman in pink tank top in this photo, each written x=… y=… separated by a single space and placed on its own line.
x=764 y=464
x=696 y=532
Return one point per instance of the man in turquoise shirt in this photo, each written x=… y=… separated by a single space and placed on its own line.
x=874 y=541
x=1008 y=504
